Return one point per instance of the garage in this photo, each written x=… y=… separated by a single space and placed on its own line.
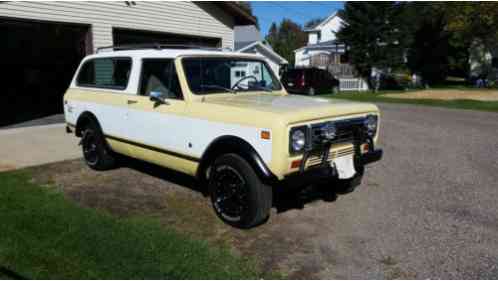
x=45 y=41
x=127 y=36
x=38 y=59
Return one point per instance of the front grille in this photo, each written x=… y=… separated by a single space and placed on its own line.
x=345 y=131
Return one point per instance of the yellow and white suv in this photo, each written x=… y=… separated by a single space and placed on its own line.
x=220 y=116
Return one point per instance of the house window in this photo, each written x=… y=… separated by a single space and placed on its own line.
x=318 y=36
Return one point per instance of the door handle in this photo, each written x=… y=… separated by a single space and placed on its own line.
x=132 y=101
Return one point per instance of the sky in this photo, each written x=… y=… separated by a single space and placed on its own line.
x=298 y=11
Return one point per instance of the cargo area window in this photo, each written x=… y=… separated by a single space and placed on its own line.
x=107 y=73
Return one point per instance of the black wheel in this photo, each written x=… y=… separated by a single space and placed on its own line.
x=95 y=151
x=311 y=92
x=238 y=196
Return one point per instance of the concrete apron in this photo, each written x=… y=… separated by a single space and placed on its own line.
x=32 y=146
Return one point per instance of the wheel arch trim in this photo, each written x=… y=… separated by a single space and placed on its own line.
x=233 y=144
x=85 y=117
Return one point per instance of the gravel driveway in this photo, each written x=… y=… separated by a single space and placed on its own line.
x=429 y=209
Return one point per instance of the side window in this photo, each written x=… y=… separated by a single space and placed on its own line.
x=159 y=75
x=112 y=73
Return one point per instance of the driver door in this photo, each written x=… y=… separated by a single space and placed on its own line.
x=158 y=126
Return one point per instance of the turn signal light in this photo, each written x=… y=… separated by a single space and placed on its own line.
x=365 y=148
x=265 y=135
x=295 y=164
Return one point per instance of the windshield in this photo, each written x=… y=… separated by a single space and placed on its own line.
x=235 y=75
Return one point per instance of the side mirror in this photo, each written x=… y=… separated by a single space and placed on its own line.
x=156 y=97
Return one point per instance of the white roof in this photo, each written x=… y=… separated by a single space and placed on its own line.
x=169 y=53
x=268 y=49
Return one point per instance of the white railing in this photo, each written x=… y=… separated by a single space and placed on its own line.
x=352 y=84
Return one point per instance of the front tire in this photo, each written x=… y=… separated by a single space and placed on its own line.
x=96 y=153
x=238 y=196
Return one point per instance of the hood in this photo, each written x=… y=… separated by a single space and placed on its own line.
x=294 y=108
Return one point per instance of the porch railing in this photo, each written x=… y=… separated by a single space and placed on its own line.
x=352 y=84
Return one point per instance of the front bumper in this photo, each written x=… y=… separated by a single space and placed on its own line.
x=371 y=156
x=326 y=171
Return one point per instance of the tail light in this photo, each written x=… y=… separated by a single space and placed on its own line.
x=301 y=82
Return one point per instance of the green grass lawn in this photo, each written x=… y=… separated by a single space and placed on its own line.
x=45 y=236
x=458 y=104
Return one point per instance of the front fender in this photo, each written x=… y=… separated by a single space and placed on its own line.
x=233 y=144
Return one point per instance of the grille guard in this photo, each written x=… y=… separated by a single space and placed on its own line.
x=323 y=150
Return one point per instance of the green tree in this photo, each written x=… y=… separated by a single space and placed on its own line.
x=285 y=38
x=474 y=20
x=374 y=35
x=474 y=26
x=427 y=55
x=444 y=33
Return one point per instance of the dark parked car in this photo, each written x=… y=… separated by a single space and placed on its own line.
x=309 y=81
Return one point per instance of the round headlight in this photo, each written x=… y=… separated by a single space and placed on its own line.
x=371 y=124
x=298 y=139
x=329 y=131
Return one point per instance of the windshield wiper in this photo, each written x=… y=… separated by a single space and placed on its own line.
x=219 y=88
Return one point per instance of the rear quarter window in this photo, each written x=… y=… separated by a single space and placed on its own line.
x=107 y=73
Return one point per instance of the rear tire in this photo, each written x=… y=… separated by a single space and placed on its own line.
x=238 y=196
x=96 y=153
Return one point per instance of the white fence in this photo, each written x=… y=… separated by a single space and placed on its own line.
x=352 y=84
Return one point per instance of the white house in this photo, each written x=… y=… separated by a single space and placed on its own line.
x=43 y=42
x=248 y=40
x=483 y=61
x=324 y=51
x=321 y=40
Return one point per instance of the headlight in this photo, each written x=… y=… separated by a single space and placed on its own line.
x=298 y=139
x=370 y=124
x=329 y=131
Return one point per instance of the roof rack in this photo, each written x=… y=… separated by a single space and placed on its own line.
x=156 y=46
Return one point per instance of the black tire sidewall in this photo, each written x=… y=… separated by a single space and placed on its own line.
x=105 y=160
x=258 y=194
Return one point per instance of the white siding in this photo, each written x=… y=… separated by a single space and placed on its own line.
x=329 y=29
x=196 y=19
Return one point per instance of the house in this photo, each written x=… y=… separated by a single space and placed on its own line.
x=248 y=40
x=324 y=51
x=43 y=42
x=483 y=61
